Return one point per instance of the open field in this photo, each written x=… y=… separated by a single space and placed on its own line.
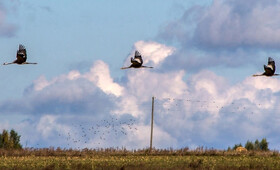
x=141 y=162
x=140 y=159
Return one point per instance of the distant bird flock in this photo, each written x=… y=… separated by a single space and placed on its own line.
x=99 y=132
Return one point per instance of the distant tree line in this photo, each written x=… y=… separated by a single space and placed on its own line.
x=256 y=146
x=10 y=140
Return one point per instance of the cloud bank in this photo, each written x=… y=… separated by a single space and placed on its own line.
x=224 y=34
x=193 y=105
x=228 y=24
x=93 y=109
x=238 y=23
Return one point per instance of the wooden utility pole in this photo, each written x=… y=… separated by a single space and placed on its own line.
x=152 y=125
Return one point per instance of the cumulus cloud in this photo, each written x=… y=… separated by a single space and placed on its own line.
x=220 y=114
x=236 y=23
x=153 y=53
x=48 y=126
x=99 y=75
x=225 y=33
x=229 y=24
x=201 y=110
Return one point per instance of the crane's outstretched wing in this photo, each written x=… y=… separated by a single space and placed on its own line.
x=22 y=50
x=255 y=75
x=270 y=67
x=146 y=67
x=137 y=57
x=137 y=54
x=270 y=61
x=125 y=68
x=21 y=54
x=21 y=47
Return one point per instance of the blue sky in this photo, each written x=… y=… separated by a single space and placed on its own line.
x=71 y=34
x=203 y=54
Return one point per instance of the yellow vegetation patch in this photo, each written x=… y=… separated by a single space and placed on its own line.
x=241 y=149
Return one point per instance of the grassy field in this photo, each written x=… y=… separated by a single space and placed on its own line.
x=140 y=159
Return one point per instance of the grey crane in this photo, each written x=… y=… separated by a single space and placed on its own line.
x=269 y=69
x=21 y=56
x=136 y=62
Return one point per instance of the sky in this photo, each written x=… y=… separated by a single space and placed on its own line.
x=204 y=53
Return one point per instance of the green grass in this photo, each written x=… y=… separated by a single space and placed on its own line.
x=140 y=159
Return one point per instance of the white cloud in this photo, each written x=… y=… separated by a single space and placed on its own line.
x=153 y=52
x=47 y=124
x=203 y=109
x=145 y=84
x=230 y=24
x=100 y=75
x=128 y=105
x=40 y=83
x=262 y=83
x=141 y=138
x=232 y=34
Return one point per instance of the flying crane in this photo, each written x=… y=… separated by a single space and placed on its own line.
x=21 y=56
x=269 y=69
x=136 y=62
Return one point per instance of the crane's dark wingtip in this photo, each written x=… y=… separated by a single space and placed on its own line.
x=29 y=63
x=147 y=67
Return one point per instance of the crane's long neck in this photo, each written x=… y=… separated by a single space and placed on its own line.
x=7 y=63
